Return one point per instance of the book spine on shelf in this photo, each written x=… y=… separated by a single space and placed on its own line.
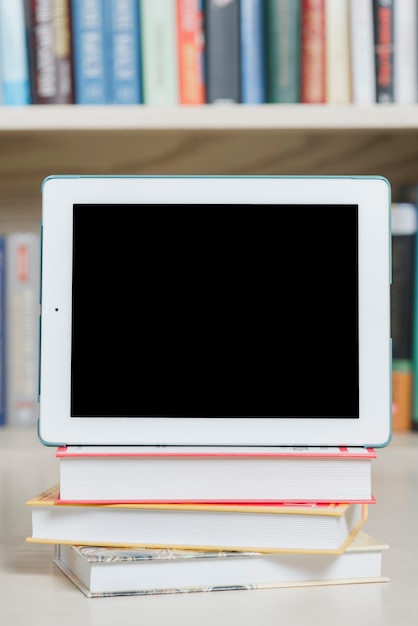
x=91 y=83
x=22 y=315
x=283 y=49
x=123 y=51
x=14 y=70
x=402 y=395
x=252 y=38
x=405 y=66
x=3 y=329
x=337 y=52
x=49 y=36
x=313 y=71
x=191 y=51
x=404 y=233
x=383 y=46
x=363 y=73
x=223 y=64
x=159 y=52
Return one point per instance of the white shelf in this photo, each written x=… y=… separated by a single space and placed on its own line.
x=39 y=140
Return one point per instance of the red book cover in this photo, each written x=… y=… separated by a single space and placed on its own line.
x=383 y=43
x=190 y=42
x=313 y=69
x=196 y=474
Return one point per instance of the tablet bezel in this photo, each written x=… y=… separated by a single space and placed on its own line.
x=371 y=194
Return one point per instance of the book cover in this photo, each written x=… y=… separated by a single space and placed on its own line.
x=337 y=52
x=283 y=49
x=159 y=52
x=212 y=474
x=49 y=36
x=191 y=52
x=313 y=53
x=100 y=571
x=316 y=527
x=384 y=52
x=90 y=73
x=402 y=377
x=253 y=58
x=123 y=51
x=363 y=72
x=22 y=319
x=223 y=60
x=405 y=66
x=404 y=231
x=404 y=234
x=3 y=330
x=14 y=70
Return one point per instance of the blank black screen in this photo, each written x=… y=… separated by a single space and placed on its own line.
x=215 y=311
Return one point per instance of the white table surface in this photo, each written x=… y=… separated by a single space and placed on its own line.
x=34 y=592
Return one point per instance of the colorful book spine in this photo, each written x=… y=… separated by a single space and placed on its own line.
x=313 y=63
x=159 y=52
x=48 y=24
x=91 y=83
x=337 y=52
x=223 y=64
x=404 y=235
x=191 y=51
x=283 y=48
x=253 y=66
x=402 y=377
x=123 y=50
x=3 y=363
x=14 y=54
x=383 y=46
x=405 y=71
x=363 y=73
x=22 y=318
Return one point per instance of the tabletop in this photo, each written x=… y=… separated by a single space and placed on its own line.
x=33 y=590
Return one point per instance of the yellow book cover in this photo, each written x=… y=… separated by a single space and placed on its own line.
x=303 y=527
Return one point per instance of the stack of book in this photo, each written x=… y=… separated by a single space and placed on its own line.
x=141 y=520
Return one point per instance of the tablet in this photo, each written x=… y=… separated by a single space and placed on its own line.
x=220 y=310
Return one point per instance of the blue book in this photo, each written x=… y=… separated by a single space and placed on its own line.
x=14 y=71
x=2 y=332
x=90 y=67
x=122 y=43
x=252 y=38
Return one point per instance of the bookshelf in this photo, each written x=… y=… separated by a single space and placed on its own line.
x=39 y=140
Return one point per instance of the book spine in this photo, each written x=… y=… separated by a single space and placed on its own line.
x=283 y=49
x=14 y=54
x=414 y=424
x=383 y=46
x=50 y=51
x=3 y=347
x=191 y=51
x=337 y=52
x=404 y=235
x=22 y=301
x=313 y=74
x=159 y=52
x=63 y=51
x=89 y=53
x=223 y=65
x=122 y=44
x=405 y=16
x=252 y=37
x=363 y=73
x=402 y=395
x=404 y=231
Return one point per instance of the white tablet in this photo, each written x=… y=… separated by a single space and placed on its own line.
x=192 y=310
